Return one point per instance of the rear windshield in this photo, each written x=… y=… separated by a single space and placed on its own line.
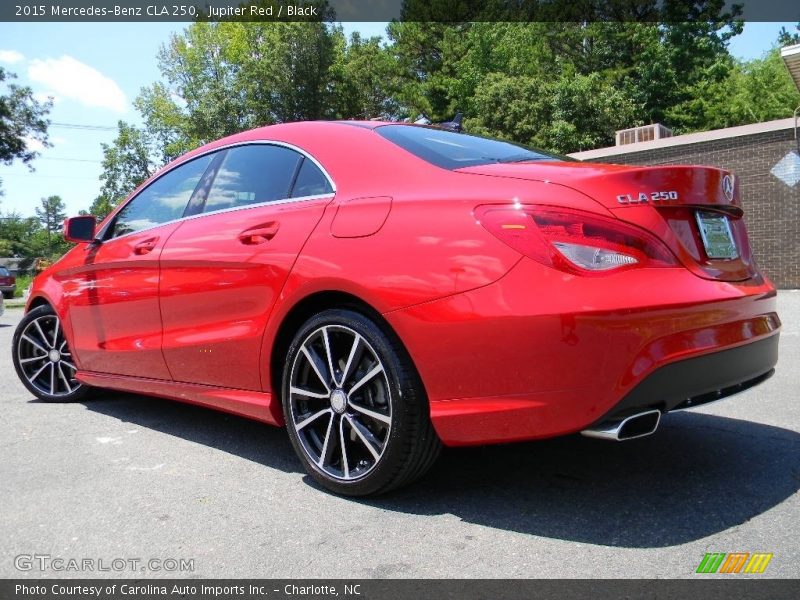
x=452 y=150
x=4 y=272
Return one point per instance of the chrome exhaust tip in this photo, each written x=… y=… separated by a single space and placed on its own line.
x=629 y=428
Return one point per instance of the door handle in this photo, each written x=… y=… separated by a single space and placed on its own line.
x=146 y=246
x=260 y=234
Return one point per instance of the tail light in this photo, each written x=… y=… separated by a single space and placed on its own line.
x=575 y=241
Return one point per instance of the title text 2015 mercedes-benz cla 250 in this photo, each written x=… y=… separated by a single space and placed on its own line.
x=382 y=289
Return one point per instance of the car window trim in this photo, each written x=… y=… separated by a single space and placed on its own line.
x=102 y=233
x=196 y=206
x=328 y=195
x=295 y=175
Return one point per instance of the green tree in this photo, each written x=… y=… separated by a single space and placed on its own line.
x=424 y=54
x=575 y=112
x=101 y=207
x=127 y=162
x=754 y=91
x=362 y=78
x=16 y=233
x=51 y=214
x=655 y=64
x=789 y=38
x=22 y=119
x=222 y=78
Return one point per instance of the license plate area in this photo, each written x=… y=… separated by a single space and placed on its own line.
x=715 y=231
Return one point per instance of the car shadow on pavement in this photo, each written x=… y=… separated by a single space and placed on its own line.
x=698 y=475
x=245 y=438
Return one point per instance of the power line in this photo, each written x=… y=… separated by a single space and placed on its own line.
x=84 y=126
x=89 y=160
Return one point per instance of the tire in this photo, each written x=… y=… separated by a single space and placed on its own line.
x=348 y=384
x=8 y=295
x=42 y=358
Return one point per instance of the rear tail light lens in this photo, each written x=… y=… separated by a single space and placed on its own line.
x=575 y=241
x=594 y=259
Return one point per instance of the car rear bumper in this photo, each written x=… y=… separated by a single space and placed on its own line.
x=702 y=379
x=539 y=354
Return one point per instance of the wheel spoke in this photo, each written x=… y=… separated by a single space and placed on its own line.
x=370 y=413
x=52 y=379
x=327 y=342
x=56 y=329
x=374 y=371
x=36 y=344
x=64 y=379
x=313 y=362
x=23 y=361
x=324 y=456
x=345 y=464
x=366 y=437
x=33 y=377
x=41 y=333
x=312 y=418
x=308 y=393
x=69 y=364
x=348 y=364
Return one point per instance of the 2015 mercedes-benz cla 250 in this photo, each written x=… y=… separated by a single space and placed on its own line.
x=383 y=289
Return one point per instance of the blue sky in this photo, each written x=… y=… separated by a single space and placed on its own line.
x=95 y=70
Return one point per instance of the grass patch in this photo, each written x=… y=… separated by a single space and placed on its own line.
x=23 y=281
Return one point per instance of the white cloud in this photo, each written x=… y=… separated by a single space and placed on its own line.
x=73 y=79
x=11 y=56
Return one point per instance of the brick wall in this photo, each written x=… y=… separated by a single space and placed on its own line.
x=771 y=207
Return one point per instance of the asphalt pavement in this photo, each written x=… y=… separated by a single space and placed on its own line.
x=128 y=478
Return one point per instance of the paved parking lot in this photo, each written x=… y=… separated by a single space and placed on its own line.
x=131 y=477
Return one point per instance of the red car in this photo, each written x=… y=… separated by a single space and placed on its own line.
x=383 y=289
x=8 y=283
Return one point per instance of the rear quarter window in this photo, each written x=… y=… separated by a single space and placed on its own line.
x=253 y=174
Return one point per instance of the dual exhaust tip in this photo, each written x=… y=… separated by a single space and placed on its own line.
x=628 y=428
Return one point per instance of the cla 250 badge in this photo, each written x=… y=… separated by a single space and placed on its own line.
x=644 y=198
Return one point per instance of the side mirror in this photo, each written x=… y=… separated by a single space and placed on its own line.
x=80 y=229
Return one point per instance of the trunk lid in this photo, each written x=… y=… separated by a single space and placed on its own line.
x=696 y=211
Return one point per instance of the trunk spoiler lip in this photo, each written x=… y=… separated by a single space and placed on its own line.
x=728 y=209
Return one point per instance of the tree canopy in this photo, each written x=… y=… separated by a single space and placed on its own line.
x=23 y=122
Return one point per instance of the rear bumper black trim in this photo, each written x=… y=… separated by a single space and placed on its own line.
x=701 y=379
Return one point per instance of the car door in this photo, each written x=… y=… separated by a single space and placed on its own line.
x=223 y=269
x=113 y=296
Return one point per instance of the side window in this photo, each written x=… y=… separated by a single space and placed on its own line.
x=251 y=175
x=310 y=181
x=163 y=200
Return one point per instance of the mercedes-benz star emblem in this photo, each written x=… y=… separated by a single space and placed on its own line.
x=727 y=187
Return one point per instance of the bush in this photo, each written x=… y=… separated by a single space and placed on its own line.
x=23 y=281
